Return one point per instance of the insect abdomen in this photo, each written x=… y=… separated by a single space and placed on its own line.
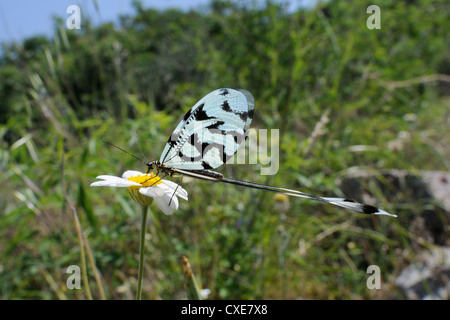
x=209 y=173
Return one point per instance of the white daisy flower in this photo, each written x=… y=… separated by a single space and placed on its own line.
x=146 y=187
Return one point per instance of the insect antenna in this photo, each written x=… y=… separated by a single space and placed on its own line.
x=135 y=141
x=128 y=153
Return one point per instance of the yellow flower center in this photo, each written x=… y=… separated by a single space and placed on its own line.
x=145 y=180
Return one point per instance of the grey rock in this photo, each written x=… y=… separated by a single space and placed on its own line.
x=428 y=276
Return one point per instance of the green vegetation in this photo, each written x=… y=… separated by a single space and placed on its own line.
x=63 y=97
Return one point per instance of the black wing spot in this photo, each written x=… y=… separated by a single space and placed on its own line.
x=223 y=92
x=206 y=166
x=215 y=125
x=226 y=106
x=243 y=116
x=200 y=114
x=251 y=113
x=348 y=200
x=369 y=209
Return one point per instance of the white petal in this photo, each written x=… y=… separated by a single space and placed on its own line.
x=112 y=181
x=164 y=197
x=180 y=192
x=170 y=184
x=131 y=173
x=106 y=177
x=153 y=192
x=163 y=203
x=169 y=191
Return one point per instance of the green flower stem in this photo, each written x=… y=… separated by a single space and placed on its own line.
x=191 y=286
x=141 y=250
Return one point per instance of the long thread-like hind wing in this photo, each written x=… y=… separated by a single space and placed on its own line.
x=340 y=202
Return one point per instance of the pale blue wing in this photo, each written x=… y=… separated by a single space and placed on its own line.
x=211 y=131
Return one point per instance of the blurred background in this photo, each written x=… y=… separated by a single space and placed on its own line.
x=362 y=113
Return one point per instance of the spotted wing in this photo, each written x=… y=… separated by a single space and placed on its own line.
x=211 y=131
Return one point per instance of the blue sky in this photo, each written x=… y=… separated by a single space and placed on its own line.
x=20 y=19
